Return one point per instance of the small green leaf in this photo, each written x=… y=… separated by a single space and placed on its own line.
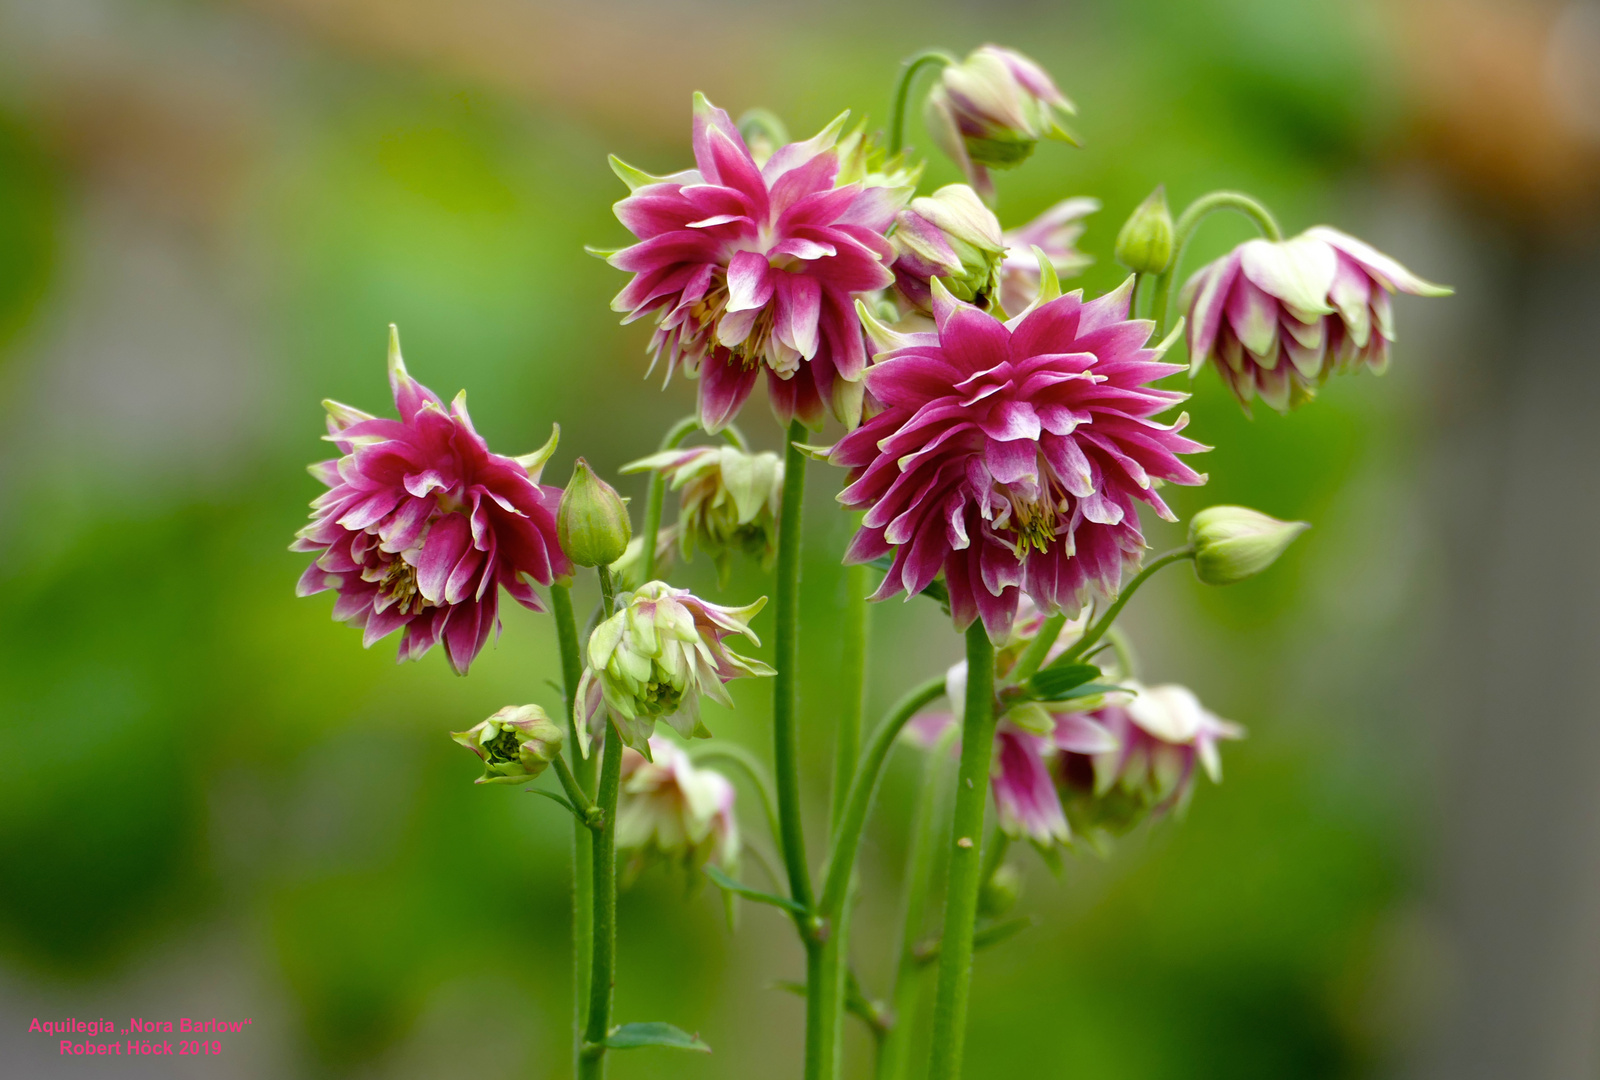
x=555 y=798
x=996 y=932
x=633 y=1036
x=1055 y=683
x=723 y=881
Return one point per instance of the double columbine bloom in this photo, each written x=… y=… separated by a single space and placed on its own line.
x=748 y=268
x=990 y=110
x=1276 y=318
x=654 y=658
x=516 y=744
x=728 y=500
x=423 y=525
x=1011 y=455
x=675 y=812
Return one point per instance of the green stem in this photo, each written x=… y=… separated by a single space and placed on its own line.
x=902 y=92
x=847 y=836
x=853 y=681
x=657 y=496
x=961 y=902
x=1038 y=648
x=582 y=835
x=575 y=793
x=735 y=754
x=894 y=1059
x=591 y=1059
x=786 y=749
x=1188 y=222
x=1103 y=623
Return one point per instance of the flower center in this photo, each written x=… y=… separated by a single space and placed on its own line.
x=1034 y=522
x=711 y=309
x=661 y=698
x=504 y=748
x=400 y=582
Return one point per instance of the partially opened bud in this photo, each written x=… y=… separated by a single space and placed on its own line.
x=515 y=745
x=1232 y=543
x=729 y=500
x=672 y=811
x=1144 y=245
x=949 y=235
x=592 y=523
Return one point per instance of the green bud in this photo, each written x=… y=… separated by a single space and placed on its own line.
x=592 y=523
x=1232 y=543
x=1145 y=243
x=515 y=745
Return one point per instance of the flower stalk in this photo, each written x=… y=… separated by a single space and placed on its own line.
x=902 y=92
x=603 y=947
x=1188 y=222
x=1103 y=623
x=583 y=777
x=961 y=901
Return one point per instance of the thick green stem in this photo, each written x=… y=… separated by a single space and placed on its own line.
x=847 y=836
x=657 y=496
x=582 y=836
x=1188 y=222
x=922 y=861
x=591 y=1059
x=1103 y=623
x=961 y=902
x=902 y=92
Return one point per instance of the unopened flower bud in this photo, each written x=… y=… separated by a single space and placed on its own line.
x=592 y=523
x=1001 y=892
x=1232 y=543
x=1144 y=245
x=952 y=236
x=515 y=745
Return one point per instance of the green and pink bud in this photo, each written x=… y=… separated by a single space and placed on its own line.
x=950 y=235
x=673 y=812
x=515 y=745
x=728 y=501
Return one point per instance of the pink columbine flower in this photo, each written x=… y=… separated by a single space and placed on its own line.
x=422 y=524
x=1276 y=318
x=1023 y=775
x=1055 y=232
x=1011 y=455
x=1161 y=734
x=746 y=268
x=672 y=810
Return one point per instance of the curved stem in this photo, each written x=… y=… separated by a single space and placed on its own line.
x=591 y=1060
x=1188 y=222
x=738 y=755
x=760 y=121
x=847 y=836
x=1038 y=648
x=961 y=902
x=902 y=92
x=894 y=1058
x=582 y=835
x=578 y=797
x=786 y=684
x=1103 y=623
x=657 y=497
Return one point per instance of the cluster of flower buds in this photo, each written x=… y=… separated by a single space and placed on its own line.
x=1276 y=318
x=655 y=657
x=728 y=500
x=516 y=744
x=672 y=811
x=990 y=110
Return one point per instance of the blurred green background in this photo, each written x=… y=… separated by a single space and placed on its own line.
x=213 y=802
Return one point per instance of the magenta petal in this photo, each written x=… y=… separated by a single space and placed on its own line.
x=750 y=283
x=725 y=383
x=447 y=541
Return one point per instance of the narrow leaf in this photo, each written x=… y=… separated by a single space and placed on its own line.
x=556 y=798
x=633 y=1036
x=1054 y=682
x=988 y=936
x=723 y=881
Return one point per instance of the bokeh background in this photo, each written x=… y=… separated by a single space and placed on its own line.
x=213 y=802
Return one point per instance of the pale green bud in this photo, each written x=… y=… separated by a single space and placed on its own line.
x=592 y=522
x=515 y=745
x=1001 y=892
x=1232 y=543
x=1144 y=245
